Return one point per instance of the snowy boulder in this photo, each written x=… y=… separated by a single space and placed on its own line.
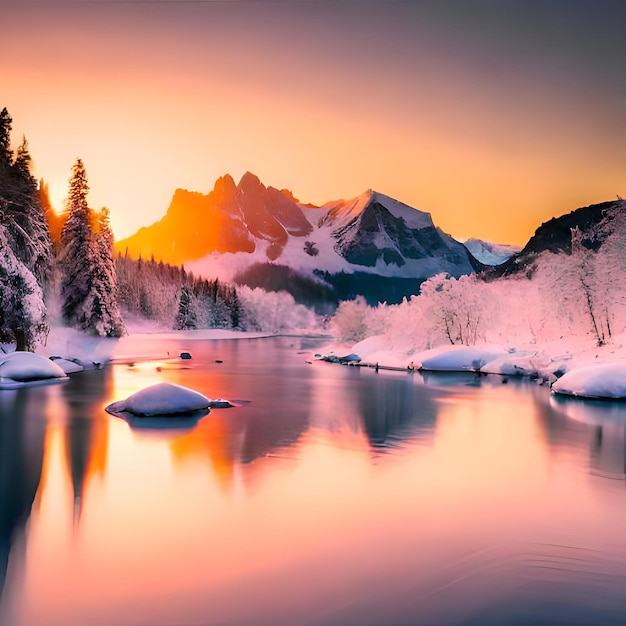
x=162 y=399
x=596 y=381
x=459 y=359
x=25 y=367
x=69 y=365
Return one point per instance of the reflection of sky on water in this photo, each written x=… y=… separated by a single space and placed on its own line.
x=316 y=498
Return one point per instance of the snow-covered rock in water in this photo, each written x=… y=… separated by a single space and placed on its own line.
x=27 y=367
x=165 y=399
x=457 y=359
x=596 y=381
x=69 y=365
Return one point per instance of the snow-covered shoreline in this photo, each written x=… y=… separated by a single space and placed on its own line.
x=581 y=367
x=546 y=362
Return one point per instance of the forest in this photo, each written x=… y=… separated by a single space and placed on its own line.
x=62 y=267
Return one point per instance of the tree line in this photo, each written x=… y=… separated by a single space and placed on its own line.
x=69 y=258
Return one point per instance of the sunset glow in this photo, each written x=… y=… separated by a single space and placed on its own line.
x=492 y=116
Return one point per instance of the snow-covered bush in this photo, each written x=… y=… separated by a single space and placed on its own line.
x=274 y=311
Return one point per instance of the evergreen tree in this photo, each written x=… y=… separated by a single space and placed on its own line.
x=185 y=318
x=22 y=213
x=6 y=154
x=101 y=312
x=55 y=222
x=88 y=278
x=76 y=255
x=22 y=310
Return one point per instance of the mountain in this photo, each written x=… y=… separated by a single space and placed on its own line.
x=588 y=227
x=371 y=245
x=490 y=253
x=232 y=218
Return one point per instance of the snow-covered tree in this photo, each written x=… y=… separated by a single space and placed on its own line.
x=77 y=249
x=351 y=319
x=21 y=211
x=186 y=316
x=455 y=308
x=273 y=311
x=22 y=309
x=88 y=279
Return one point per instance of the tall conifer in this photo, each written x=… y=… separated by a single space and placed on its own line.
x=88 y=279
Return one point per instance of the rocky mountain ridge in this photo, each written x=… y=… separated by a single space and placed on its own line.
x=587 y=227
x=248 y=224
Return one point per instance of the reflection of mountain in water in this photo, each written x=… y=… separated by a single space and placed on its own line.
x=22 y=434
x=275 y=420
x=394 y=410
x=87 y=430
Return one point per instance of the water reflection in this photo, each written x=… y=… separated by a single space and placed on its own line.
x=393 y=410
x=285 y=502
x=86 y=432
x=607 y=422
x=22 y=434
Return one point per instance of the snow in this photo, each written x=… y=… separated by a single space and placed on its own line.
x=598 y=381
x=166 y=399
x=17 y=368
x=456 y=359
x=69 y=365
x=490 y=253
x=326 y=220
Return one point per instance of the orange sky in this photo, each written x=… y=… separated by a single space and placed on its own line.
x=493 y=116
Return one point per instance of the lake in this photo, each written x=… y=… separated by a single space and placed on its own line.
x=330 y=495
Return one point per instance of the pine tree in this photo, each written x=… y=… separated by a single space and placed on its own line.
x=22 y=213
x=25 y=248
x=88 y=278
x=55 y=222
x=22 y=310
x=77 y=252
x=185 y=318
x=101 y=312
x=6 y=154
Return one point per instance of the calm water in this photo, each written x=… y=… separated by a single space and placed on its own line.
x=332 y=495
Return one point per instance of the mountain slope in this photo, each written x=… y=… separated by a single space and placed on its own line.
x=239 y=226
x=490 y=253
x=593 y=224
x=231 y=218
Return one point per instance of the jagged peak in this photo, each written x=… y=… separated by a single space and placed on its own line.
x=250 y=181
x=224 y=185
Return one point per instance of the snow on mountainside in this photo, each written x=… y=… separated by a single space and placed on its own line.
x=238 y=226
x=490 y=253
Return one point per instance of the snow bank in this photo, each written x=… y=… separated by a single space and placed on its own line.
x=165 y=399
x=457 y=358
x=70 y=365
x=598 y=381
x=24 y=367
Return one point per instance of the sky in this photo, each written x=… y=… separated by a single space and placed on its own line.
x=492 y=115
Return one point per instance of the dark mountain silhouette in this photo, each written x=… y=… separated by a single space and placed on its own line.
x=593 y=224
